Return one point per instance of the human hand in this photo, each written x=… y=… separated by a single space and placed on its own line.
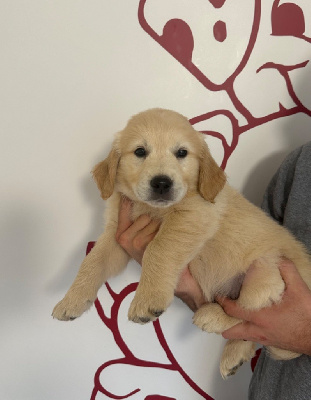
x=189 y=291
x=134 y=237
x=286 y=325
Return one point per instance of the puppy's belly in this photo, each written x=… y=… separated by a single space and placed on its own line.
x=212 y=284
x=231 y=288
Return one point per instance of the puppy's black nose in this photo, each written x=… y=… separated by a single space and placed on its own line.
x=161 y=184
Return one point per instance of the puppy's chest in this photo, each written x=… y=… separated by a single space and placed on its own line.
x=139 y=209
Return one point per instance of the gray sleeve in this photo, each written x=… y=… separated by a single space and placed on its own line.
x=288 y=196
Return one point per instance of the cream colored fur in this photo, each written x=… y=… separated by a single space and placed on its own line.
x=205 y=223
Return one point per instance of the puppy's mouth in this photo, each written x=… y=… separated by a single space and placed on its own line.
x=160 y=203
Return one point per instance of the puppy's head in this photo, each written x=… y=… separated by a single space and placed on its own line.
x=157 y=159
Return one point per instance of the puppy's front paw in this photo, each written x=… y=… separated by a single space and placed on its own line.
x=143 y=310
x=71 y=307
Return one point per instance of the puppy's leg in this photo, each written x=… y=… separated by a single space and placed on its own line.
x=212 y=318
x=155 y=290
x=280 y=354
x=105 y=260
x=263 y=284
x=235 y=353
x=165 y=257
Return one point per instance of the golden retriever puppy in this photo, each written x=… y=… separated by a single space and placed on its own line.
x=164 y=166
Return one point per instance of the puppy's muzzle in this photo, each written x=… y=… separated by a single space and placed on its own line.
x=161 y=186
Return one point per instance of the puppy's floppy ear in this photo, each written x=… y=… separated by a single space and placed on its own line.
x=104 y=173
x=211 y=177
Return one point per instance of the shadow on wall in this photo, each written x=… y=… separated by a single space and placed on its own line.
x=296 y=132
x=260 y=176
x=20 y=256
x=68 y=271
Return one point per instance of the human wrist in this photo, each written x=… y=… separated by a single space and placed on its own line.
x=192 y=296
x=193 y=302
x=308 y=328
x=189 y=291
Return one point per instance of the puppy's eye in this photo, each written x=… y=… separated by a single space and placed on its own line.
x=181 y=153
x=140 y=152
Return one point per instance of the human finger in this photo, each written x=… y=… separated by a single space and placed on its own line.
x=144 y=236
x=289 y=273
x=151 y=227
x=145 y=241
x=233 y=309
x=124 y=220
x=127 y=237
x=245 y=331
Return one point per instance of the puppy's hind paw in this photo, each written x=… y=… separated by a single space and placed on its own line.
x=211 y=318
x=226 y=372
x=235 y=353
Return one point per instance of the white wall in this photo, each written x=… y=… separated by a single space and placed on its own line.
x=72 y=73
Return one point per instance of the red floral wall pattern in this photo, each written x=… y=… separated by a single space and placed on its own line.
x=180 y=38
x=287 y=19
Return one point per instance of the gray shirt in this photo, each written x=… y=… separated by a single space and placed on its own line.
x=288 y=201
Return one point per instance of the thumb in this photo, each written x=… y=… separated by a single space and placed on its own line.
x=245 y=331
x=124 y=220
x=289 y=272
x=292 y=278
x=232 y=308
